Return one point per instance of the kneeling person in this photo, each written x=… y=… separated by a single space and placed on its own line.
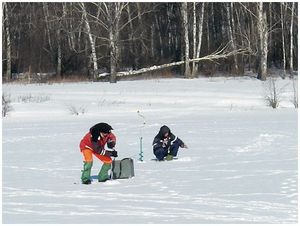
x=166 y=144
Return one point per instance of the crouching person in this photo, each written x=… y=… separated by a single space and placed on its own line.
x=166 y=144
x=93 y=143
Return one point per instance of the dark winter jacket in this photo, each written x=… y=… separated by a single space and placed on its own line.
x=165 y=142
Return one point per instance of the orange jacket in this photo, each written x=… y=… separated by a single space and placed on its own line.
x=86 y=142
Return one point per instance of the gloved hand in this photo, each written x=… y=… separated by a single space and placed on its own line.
x=111 y=144
x=111 y=153
x=114 y=153
x=184 y=146
x=164 y=142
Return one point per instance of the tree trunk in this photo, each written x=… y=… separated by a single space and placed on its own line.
x=152 y=42
x=59 y=42
x=132 y=44
x=139 y=12
x=46 y=14
x=222 y=54
x=140 y=22
x=159 y=37
x=207 y=28
x=169 y=31
x=283 y=38
x=263 y=43
x=8 y=76
x=250 y=29
x=72 y=33
x=113 y=59
x=115 y=11
x=80 y=31
x=230 y=33
x=194 y=39
x=93 y=46
x=200 y=28
x=59 y=55
x=270 y=41
x=240 y=25
x=184 y=9
x=292 y=41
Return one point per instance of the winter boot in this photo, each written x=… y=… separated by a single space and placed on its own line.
x=103 y=174
x=86 y=172
x=169 y=157
x=87 y=182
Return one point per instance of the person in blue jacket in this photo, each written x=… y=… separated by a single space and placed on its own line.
x=166 y=144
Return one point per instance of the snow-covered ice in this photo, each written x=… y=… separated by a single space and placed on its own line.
x=241 y=165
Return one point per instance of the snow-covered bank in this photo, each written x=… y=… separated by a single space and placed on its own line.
x=241 y=165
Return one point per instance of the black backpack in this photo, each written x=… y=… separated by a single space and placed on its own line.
x=122 y=169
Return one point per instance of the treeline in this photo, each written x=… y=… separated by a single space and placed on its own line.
x=118 y=38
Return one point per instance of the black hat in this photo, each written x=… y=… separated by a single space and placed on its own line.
x=105 y=128
x=163 y=130
x=101 y=127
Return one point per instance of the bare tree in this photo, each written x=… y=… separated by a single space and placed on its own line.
x=283 y=10
x=292 y=41
x=110 y=21
x=8 y=41
x=197 y=29
x=92 y=41
x=184 y=13
x=159 y=37
x=200 y=28
x=114 y=11
x=194 y=39
x=262 y=26
x=59 y=54
x=229 y=14
x=133 y=48
x=47 y=22
x=110 y=36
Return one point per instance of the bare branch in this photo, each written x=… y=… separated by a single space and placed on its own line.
x=221 y=53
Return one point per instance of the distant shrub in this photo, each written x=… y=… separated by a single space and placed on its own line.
x=295 y=92
x=104 y=102
x=29 y=98
x=6 y=106
x=273 y=93
x=76 y=111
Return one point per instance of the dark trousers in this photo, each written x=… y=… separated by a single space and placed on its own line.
x=160 y=153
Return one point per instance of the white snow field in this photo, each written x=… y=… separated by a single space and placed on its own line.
x=241 y=165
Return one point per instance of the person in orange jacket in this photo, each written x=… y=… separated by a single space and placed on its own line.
x=93 y=143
